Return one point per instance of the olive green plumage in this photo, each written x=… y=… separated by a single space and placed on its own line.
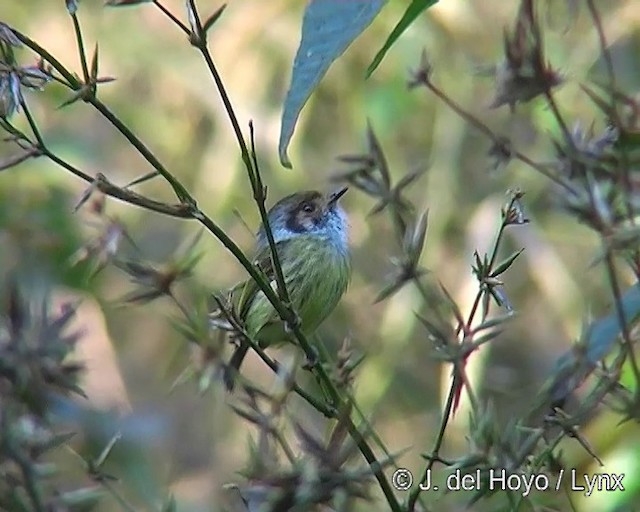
x=310 y=231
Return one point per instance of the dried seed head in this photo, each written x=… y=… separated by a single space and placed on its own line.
x=524 y=74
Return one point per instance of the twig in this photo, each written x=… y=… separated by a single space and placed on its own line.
x=459 y=376
x=169 y=15
x=497 y=140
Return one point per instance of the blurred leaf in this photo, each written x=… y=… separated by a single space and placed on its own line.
x=493 y=322
x=78 y=94
x=413 y=11
x=211 y=20
x=141 y=296
x=54 y=442
x=94 y=64
x=602 y=334
x=453 y=305
x=155 y=281
x=414 y=237
x=485 y=338
x=389 y=290
x=377 y=156
x=504 y=265
x=86 y=195
x=574 y=366
x=480 y=268
x=328 y=28
x=149 y=176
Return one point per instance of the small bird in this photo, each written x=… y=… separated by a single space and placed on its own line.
x=311 y=237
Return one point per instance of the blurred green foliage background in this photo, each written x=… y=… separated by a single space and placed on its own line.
x=193 y=443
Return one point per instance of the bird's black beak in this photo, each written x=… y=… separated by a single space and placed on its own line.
x=335 y=196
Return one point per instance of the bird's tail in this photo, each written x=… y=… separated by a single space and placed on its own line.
x=233 y=367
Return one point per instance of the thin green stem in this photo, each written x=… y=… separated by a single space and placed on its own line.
x=435 y=451
x=183 y=309
x=498 y=240
x=246 y=158
x=72 y=82
x=556 y=113
x=81 y=51
x=370 y=457
x=494 y=254
x=32 y=123
x=181 y=192
x=76 y=85
x=259 y=196
x=291 y=457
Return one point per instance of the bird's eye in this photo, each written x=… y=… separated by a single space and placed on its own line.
x=308 y=207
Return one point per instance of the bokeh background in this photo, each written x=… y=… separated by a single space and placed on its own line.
x=192 y=443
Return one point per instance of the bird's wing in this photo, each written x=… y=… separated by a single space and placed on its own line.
x=248 y=290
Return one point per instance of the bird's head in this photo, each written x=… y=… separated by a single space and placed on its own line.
x=308 y=213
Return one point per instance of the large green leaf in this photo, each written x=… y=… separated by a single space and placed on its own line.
x=328 y=28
